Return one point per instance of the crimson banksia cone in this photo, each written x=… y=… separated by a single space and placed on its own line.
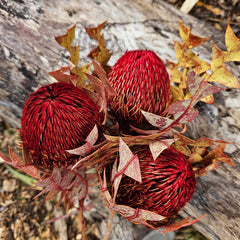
x=55 y=118
x=168 y=183
x=142 y=82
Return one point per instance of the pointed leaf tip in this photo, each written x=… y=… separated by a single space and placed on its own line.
x=128 y=163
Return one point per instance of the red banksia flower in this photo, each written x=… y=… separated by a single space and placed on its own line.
x=168 y=183
x=142 y=82
x=55 y=118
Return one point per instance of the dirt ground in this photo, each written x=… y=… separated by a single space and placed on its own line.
x=22 y=217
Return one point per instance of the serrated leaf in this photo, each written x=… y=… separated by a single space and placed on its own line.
x=15 y=161
x=202 y=65
x=223 y=76
x=66 y=42
x=220 y=73
x=61 y=77
x=217 y=57
x=217 y=154
x=189 y=116
x=100 y=54
x=67 y=39
x=94 y=32
x=80 y=72
x=190 y=40
x=233 y=45
x=184 y=60
x=175 y=73
x=200 y=88
x=128 y=163
x=157 y=147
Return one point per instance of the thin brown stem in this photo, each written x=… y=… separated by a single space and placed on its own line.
x=109 y=225
x=82 y=221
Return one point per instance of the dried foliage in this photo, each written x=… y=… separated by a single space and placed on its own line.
x=153 y=161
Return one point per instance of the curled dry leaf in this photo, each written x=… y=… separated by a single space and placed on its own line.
x=15 y=161
x=88 y=146
x=66 y=42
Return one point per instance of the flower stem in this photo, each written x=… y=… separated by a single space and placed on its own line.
x=109 y=225
x=82 y=221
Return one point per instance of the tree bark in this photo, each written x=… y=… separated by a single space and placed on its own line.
x=28 y=51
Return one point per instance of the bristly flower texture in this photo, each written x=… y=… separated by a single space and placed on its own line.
x=168 y=183
x=142 y=82
x=55 y=118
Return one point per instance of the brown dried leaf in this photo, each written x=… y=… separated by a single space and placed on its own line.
x=61 y=77
x=182 y=223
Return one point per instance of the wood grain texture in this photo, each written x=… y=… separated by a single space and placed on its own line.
x=28 y=51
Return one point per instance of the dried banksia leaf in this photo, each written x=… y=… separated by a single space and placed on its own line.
x=168 y=183
x=57 y=117
x=141 y=81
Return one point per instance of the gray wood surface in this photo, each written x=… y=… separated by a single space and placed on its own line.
x=28 y=51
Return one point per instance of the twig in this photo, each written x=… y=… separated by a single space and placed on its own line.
x=109 y=225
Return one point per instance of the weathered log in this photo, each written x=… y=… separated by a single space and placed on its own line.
x=28 y=51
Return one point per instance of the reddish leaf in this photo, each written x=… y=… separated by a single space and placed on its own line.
x=103 y=77
x=105 y=192
x=85 y=149
x=16 y=161
x=98 y=87
x=61 y=77
x=182 y=223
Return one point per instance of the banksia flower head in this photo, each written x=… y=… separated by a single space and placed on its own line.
x=55 y=118
x=142 y=82
x=168 y=183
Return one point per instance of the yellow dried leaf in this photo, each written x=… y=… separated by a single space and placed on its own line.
x=175 y=74
x=223 y=76
x=66 y=42
x=177 y=94
x=66 y=39
x=184 y=60
x=233 y=46
x=74 y=54
x=94 y=32
x=190 y=40
x=217 y=57
x=202 y=66
x=80 y=72
x=209 y=99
